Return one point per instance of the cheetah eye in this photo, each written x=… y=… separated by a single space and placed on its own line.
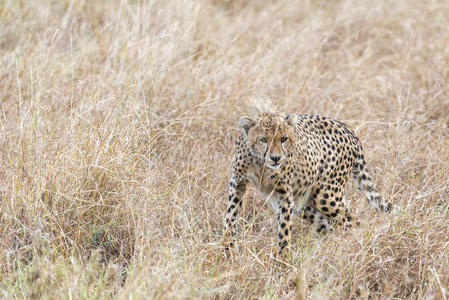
x=263 y=140
x=284 y=139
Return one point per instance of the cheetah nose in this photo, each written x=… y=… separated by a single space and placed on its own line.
x=275 y=158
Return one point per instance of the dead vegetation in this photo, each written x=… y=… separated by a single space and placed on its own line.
x=118 y=120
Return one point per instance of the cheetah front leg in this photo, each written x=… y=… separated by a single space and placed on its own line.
x=284 y=216
x=237 y=188
x=236 y=191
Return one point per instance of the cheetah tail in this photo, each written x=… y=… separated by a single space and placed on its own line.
x=366 y=186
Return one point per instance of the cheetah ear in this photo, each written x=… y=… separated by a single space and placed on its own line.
x=247 y=123
x=291 y=119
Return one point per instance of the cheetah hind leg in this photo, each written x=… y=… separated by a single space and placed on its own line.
x=316 y=218
x=323 y=224
x=333 y=206
x=346 y=219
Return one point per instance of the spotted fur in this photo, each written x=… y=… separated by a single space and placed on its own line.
x=302 y=162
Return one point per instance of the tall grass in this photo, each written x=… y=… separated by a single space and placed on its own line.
x=118 y=121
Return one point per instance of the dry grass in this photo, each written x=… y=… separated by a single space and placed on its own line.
x=117 y=123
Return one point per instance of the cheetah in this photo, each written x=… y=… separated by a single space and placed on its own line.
x=301 y=163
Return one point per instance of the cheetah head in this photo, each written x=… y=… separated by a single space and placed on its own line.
x=270 y=137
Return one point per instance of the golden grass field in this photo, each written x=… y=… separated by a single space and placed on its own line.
x=117 y=126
